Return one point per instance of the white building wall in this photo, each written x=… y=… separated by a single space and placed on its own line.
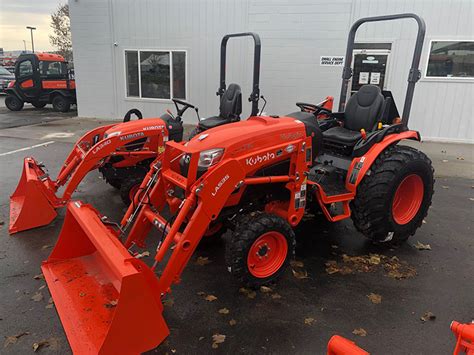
x=294 y=35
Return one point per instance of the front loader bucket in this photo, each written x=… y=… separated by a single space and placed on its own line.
x=107 y=300
x=33 y=202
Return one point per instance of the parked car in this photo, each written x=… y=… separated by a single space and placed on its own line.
x=5 y=78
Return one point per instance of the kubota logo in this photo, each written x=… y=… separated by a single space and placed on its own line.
x=260 y=159
x=132 y=136
x=101 y=145
x=219 y=185
x=151 y=128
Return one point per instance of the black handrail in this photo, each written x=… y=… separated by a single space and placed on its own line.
x=414 y=74
x=255 y=94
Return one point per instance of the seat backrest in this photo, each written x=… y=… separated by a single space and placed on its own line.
x=364 y=109
x=231 y=103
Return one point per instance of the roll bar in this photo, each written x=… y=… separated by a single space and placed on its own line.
x=255 y=94
x=414 y=74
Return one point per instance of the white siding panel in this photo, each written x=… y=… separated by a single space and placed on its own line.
x=294 y=35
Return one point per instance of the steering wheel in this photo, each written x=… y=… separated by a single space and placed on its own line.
x=131 y=112
x=186 y=105
x=312 y=108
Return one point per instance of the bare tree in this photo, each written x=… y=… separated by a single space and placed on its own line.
x=61 y=25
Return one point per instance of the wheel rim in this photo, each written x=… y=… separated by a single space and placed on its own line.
x=133 y=191
x=267 y=254
x=407 y=199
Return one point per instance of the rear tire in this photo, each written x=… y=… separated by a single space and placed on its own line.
x=61 y=103
x=129 y=188
x=260 y=249
x=13 y=103
x=38 y=104
x=393 y=200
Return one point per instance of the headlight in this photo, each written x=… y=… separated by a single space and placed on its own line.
x=210 y=157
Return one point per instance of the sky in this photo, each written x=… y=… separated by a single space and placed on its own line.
x=15 y=15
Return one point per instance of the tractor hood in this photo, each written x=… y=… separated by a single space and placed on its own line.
x=258 y=132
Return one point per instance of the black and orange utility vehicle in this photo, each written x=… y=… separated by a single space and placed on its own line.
x=258 y=177
x=41 y=79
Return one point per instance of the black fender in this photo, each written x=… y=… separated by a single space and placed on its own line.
x=13 y=92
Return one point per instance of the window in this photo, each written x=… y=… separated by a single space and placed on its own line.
x=156 y=74
x=52 y=70
x=451 y=59
x=25 y=68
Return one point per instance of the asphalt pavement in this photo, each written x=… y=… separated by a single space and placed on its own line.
x=328 y=292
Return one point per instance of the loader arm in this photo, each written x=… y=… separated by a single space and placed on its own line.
x=103 y=149
x=87 y=141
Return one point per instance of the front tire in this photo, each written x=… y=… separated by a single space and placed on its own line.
x=260 y=249
x=393 y=200
x=61 y=103
x=13 y=103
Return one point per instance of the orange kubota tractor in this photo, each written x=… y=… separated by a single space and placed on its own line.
x=123 y=152
x=258 y=176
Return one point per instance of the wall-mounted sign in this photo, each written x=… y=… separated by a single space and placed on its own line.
x=333 y=61
x=363 y=77
x=375 y=78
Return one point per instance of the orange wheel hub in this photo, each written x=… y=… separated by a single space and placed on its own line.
x=407 y=199
x=267 y=254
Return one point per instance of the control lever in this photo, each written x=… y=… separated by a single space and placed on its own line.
x=264 y=104
x=168 y=111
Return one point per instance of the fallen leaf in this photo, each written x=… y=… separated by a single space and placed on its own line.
x=201 y=338
x=374 y=259
x=203 y=261
x=445 y=187
x=168 y=302
x=111 y=304
x=41 y=287
x=300 y=274
x=335 y=246
x=471 y=198
x=232 y=322
x=217 y=339
x=44 y=247
x=309 y=321
x=210 y=298
x=421 y=246
x=375 y=298
x=201 y=293
x=38 y=277
x=424 y=222
x=428 y=316
x=12 y=339
x=40 y=344
x=360 y=332
x=265 y=289
x=38 y=296
x=224 y=311
x=460 y=158
x=50 y=303
x=142 y=255
x=276 y=296
x=445 y=160
x=296 y=263
x=249 y=293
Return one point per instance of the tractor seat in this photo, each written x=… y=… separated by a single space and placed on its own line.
x=363 y=110
x=230 y=108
